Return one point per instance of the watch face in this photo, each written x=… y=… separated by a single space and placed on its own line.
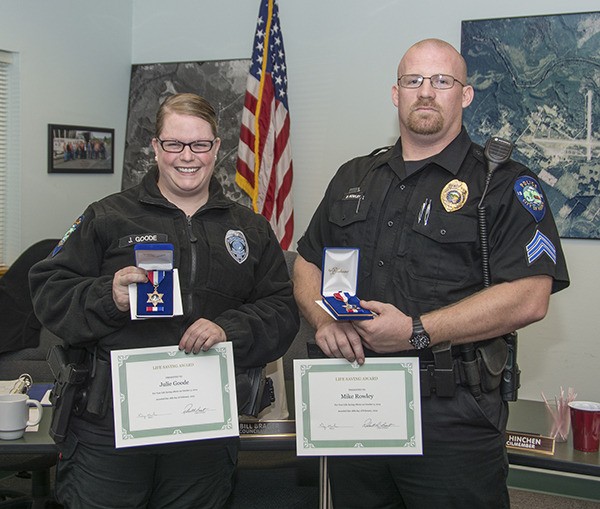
x=420 y=341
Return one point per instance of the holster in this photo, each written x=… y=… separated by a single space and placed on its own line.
x=70 y=375
x=255 y=391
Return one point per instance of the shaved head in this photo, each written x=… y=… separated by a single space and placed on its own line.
x=459 y=66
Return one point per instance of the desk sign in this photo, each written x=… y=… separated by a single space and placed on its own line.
x=346 y=409
x=529 y=442
x=163 y=395
x=268 y=429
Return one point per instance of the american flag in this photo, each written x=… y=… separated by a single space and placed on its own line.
x=264 y=165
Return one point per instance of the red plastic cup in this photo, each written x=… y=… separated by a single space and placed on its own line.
x=585 y=423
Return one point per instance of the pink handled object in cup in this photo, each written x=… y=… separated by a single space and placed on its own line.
x=14 y=415
x=585 y=423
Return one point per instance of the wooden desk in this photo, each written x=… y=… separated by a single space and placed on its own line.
x=530 y=417
x=567 y=472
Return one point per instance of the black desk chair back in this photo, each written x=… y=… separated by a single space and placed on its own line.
x=23 y=349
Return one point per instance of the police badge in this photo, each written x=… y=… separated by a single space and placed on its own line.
x=235 y=242
x=454 y=195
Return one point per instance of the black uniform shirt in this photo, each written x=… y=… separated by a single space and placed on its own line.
x=418 y=235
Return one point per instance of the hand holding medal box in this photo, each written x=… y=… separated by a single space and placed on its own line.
x=161 y=295
x=340 y=276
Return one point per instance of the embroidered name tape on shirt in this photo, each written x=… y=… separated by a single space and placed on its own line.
x=68 y=233
x=143 y=238
x=530 y=195
x=236 y=245
x=539 y=245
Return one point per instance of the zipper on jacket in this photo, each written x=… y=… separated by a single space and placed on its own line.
x=193 y=261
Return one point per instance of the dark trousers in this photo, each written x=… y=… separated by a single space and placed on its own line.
x=190 y=475
x=464 y=462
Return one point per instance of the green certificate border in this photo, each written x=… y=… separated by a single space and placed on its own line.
x=122 y=358
x=411 y=445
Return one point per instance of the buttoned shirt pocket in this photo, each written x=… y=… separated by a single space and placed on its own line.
x=350 y=218
x=443 y=250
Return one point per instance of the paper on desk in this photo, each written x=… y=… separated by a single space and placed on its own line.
x=46 y=399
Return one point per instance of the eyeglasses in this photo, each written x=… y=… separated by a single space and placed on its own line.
x=439 y=81
x=176 y=146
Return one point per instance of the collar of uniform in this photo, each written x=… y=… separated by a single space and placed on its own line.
x=396 y=162
x=150 y=193
x=216 y=196
x=451 y=158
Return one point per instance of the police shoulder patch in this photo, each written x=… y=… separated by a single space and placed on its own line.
x=67 y=234
x=530 y=195
x=237 y=246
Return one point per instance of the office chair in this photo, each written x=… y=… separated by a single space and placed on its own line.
x=23 y=349
x=13 y=364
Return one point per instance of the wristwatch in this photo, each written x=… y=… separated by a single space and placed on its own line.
x=419 y=339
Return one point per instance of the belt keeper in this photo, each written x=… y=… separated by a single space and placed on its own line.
x=442 y=355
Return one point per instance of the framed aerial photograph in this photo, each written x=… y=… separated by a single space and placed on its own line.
x=537 y=84
x=80 y=149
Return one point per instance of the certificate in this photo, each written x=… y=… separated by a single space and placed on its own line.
x=164 y=395
x=347 y=409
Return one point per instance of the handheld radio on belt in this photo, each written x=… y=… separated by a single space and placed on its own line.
x=497 y=152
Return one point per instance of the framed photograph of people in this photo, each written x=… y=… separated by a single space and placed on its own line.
x=80 y=149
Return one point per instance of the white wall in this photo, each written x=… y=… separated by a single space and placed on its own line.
x=342 y=57
x=75 y=65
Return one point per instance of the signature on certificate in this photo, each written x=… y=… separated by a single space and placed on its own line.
x=369 y=423
x=191 y=409
x=323 y=425
x=149 y=415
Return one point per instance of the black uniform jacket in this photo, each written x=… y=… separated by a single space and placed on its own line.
x=252 y=301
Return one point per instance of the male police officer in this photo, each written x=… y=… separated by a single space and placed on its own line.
x=413 y=212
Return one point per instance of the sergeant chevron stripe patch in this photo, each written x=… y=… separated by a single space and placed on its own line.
x=539 y=245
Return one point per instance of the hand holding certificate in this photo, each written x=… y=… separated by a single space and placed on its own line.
x=347 y=409
x=163 y=395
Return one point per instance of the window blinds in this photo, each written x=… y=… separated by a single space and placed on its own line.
x=5 y=61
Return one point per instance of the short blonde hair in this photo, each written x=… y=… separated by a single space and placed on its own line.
x=186 y=104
